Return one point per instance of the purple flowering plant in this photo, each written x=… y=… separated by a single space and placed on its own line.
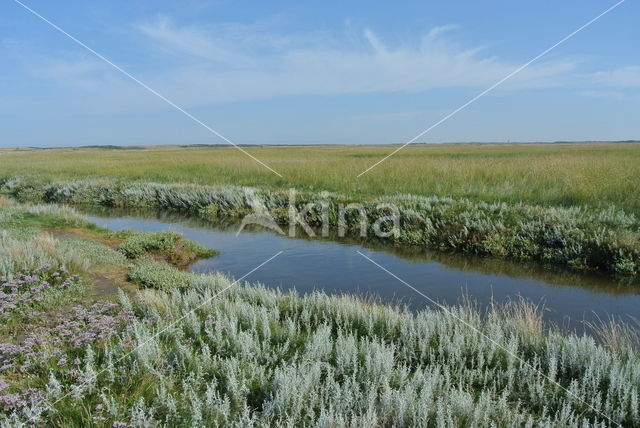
x=59 y=348
x=28 y=288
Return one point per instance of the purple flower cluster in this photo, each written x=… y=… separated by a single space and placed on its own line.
x=98 y=322
x=25 y=397
x=71 y=332
x=27 y=288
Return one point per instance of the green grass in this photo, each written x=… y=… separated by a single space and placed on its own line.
x=541 y=174
x=167 y=244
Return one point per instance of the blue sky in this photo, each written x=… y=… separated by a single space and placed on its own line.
x=289 y=72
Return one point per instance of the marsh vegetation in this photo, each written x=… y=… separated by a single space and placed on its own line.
x=579 y=237
x=595 y=175
x=177 y=348
x=179 y=353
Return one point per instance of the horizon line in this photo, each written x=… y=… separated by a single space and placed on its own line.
x=204 y=145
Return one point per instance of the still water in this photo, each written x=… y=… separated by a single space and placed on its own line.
x=334 y=266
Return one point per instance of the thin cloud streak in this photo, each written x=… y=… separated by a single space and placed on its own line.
x=216 y=64
x=628 y=77
x=234 y=68
x=202 y=66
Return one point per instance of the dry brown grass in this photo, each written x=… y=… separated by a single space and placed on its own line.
x=617 y=334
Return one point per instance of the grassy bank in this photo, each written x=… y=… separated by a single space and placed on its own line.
x=178 y=354
x=580 y=238
x=540 y=174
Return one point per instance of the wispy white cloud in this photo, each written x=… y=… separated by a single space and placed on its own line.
x=80 y=71
x=234 y=63
x=193 y=41
x=621 y=77
x=200 y=65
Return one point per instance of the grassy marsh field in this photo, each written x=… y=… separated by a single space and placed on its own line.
x=170 y=350
x=176 y=353
x=597 y=174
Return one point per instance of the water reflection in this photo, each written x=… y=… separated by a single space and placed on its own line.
x=333 y=265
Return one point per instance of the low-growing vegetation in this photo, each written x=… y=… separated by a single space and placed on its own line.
x=170 y=245
x=33 y=289
x=150 y=273
x=35 y=265
x=579 y=237
x=258 y=357
x=193 y=350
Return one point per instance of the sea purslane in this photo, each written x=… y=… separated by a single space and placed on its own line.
x=605 y=239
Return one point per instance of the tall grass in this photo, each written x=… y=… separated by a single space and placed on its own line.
x=35 y=266
x=541 y=174
x=23 y=246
